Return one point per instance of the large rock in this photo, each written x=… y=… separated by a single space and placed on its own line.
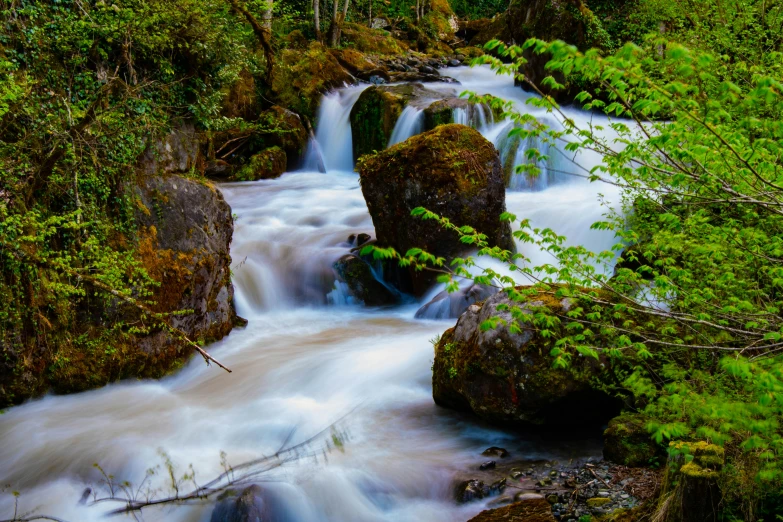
x=452 y=171
x=443 y=112
x=185 y=232
x=359 y=64
x=532 y=510
x=177 y=151
x=268 y=164
x=375 y=113
x=508 y=378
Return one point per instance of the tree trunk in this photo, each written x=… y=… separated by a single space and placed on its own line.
x=263 y=34
x=336 y=27
x=370 y=16
x=418 y=11
x=317 y=20
x=268 y=15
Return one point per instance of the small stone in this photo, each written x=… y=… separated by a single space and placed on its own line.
x=625 y=496
x=376 y=80
x=494 y=451
x=552 y=498
x=490 y=464
x=526 y=495
x=516 y=474
x=426 y=69
x=454 y=63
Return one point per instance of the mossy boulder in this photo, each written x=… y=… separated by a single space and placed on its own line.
x=508 y=378
x=531 y=510
x=267 y=164
x=371 y=41
x=375 y=113
x=285 y=130
x=451 y=170
x=303 y=76
x=627 y=442
x=440 y=22
x=359 y=64
x=361 y=283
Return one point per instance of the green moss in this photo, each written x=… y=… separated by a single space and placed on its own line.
x=267 y=164
x=598 y=501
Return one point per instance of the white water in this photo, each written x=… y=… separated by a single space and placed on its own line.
x=410 y=123
x=299 y=363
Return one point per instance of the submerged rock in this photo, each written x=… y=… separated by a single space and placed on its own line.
x=249 y=506
x=506 y=377
x=447 y=305
x=452 y=171
x=362 y=283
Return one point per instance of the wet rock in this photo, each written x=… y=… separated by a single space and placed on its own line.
x=454 y=63
x=527 y=496
x=249 y=506
x=377 y=80
x=427 y=69
x=490 y=464
x=185 y=232
x=452 y=171
x=471 y=490
x=361 y=282
x=447 y=305
x=268 y=164
x=506 y=377
x=441 y=112
x=530 y=510
x=376 y=112
x=286 y=131
x=415 y=76
x=495 y=451
x=362 y=239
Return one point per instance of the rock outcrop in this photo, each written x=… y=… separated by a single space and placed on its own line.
x=248 y=506
x=507 y=377
x=185 y=233
x=452 y=171
x=361 y=283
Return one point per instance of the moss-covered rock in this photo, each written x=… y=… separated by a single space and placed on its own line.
x=531 y=510
x=359 y=64
x=183 y=238
x=361 y=282
x=285 y=130
x=451 y=170
x=376 y=112
x=440 y=22
x=508 y=378
x=627 y=442
x=267 y=164
x=301 y=77
x=371 y=41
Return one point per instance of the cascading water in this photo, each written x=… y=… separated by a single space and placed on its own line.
x=299 y=363
x=410 y=123
x=332 y=146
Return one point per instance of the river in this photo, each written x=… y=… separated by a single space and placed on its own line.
x=308 y=357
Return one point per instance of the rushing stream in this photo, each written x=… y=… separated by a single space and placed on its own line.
x=307 y=358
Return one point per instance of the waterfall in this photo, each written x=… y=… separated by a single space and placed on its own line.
x=410 y=123
x=332 y=146
x=300 y=366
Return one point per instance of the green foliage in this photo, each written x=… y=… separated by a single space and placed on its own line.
x=474 y=9
x=85 y=87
